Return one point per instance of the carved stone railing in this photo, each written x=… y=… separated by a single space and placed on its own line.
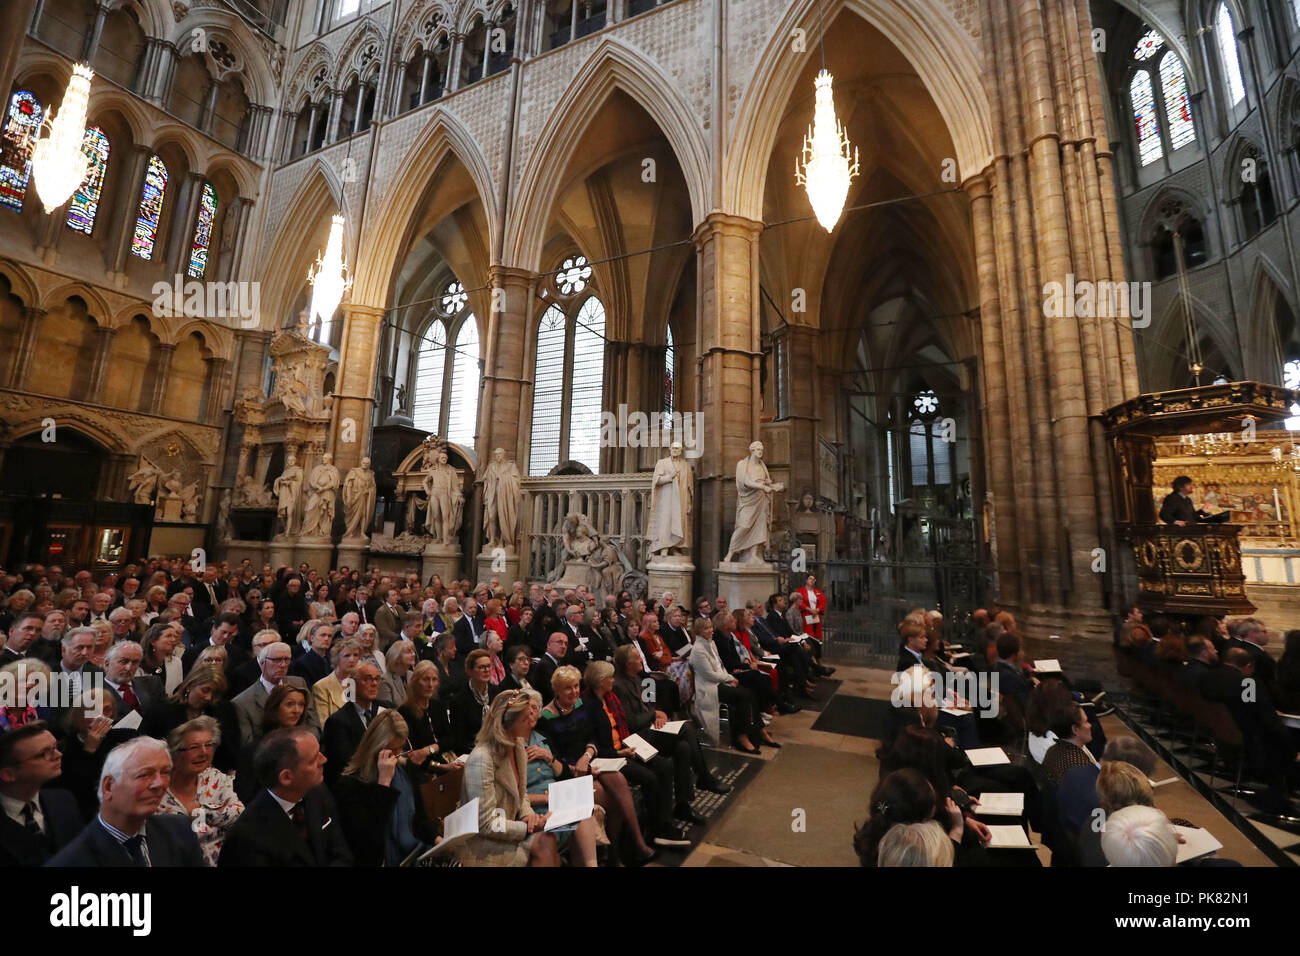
x=618 y=506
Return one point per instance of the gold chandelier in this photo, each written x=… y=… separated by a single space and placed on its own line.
x=829 y=161
x=329 y=277
x=59 y=162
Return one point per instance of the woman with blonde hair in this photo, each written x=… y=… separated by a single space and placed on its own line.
x=398 y=664
x=155 y=601
x=496 y=774
x=198 y=789
x=199 y=695
x=376 y=799
x=426 y=720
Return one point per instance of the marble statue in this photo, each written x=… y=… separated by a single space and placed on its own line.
x=754 y=488
x=190 y=502
x=672 y=495
x=441 y=484
x=501 y=494
x=358 y=500
x=322 y=486
x=250 y=493
x=288 y=488
x=144 y=482
x=578 y=558
x=225 y=531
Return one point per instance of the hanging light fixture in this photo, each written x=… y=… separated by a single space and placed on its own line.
x=829 y=161
x=329 y=277
x=58 y=162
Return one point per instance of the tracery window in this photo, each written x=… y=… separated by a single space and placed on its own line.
x=85 y=201
x=151 y=203
x=203 y=232
x=22 y=123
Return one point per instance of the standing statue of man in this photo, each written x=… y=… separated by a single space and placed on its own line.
x=144 y=482
x=323 y=485
x=358 y=500
x=457 y=498
x=754 y=488
x=440 y=486
x=501 y=493
x=672 y=494
x=287 y=488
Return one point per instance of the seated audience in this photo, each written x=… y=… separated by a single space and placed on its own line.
x=330 y=692
x=198 y=790
x=916 y=844
x=714 y=685
x=519 y=664
x=1073 y=734
x=199 y=694
x=398 y=663
x=342 y=733
x=315 y=663
x=376 y=798
x=286 y=706
x=428 y=730
x=1139 y=836
x=1201 y=659
x=468 y=704
x=903 y=798
x=273 y=663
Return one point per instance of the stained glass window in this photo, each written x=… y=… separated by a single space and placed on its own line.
x=670 y=366
x=203 y=231
x=588 y=381
x=85 y=201
x=1225 y=35
x=1178 y=108
x=22 y=123
x=430 y=365
x=1148 y=46
x=462 y=410
x=548 y=392
x=1144 y=115
x=151 y=203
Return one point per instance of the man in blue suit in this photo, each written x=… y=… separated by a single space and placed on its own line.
x=35 y=823
x=126 y=832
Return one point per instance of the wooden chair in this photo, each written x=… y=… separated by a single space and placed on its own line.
x=441 y=795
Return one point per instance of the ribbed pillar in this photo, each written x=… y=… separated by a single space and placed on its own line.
x=354 y=392
x=503 y=420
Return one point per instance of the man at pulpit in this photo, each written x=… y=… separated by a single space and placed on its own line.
x=1177 y=508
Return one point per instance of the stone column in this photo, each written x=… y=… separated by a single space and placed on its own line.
x=139 y=164
x=11 y=40
x=91 y=46
x=20 y=373
x=100 y=369
x=354 y=392
x=210 y=107
x=234 y=226
x=727 y=340
x=798 y=397
x=453 y=62
x=503 y=421
x=332 y=123
x=181 y=225
x=218 y=376
x=165 y=353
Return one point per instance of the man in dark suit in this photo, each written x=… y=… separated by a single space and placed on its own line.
x=581 y=652
x=35 y=823
x=672 y=632
x=129 y=689
x=459 y=627
x=1012 y=679
x=1251 y=634
x=76 y=646
x=246 y=674
x=250 y=704
x=23 y=636
x=291 y=609
x=347 y=725
x=126 y=832
x=315 y=664
x=794 y=658
x=548 y=663
x=1177 y=508
x=222 y=630
x=209 y=592
x=1202 y=658
x=292 y=821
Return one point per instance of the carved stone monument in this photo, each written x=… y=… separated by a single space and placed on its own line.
x=359 y=493
x=750 y=577
x=502 y=493
x=672 y=499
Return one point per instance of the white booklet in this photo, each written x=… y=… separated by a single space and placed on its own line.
x=570 y=801
x=987 y=756
x=1009 y=838
x=645 y=751
x=1001 y=804
x=457 y=826
x=672 y=727
x=1199 y=843
x=131 y=721
x=1049 y=666
x=608 y=764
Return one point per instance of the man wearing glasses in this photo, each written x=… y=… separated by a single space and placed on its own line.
x=273 y=660
x=37 y=821
x=347 y=725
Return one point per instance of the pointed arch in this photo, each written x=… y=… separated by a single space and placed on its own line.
x=1263 y=342
x=386 y=233
x=611 y=66
x=96 y=305
x=945 y=57
x=20 y=283
x=252 y=63
x=319 y=195
x=347 y=65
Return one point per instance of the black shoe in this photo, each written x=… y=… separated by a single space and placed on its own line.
x=826 y=671
x=744 y=750
x=643 y=860
x=771 y=743
x=785 y=707
x=687 y=814
x=711 y=784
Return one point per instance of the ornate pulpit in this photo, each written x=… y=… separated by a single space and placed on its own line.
x=1196 y=569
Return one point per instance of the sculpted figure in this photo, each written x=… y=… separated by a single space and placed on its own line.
x=754 y=490
x=501 y=494
x=358 y=500
x=287 y=489
x=144 y=482
x=322 y=486
x=671 y=497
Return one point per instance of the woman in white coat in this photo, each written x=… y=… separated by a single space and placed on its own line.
x=713 y=685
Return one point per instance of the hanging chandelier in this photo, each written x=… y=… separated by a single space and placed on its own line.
x=829 y=161
x=59 y=162
x=329 y=277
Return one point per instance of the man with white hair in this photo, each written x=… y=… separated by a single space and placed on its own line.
x=247 y=673
x=1139 y=836
x=129 y=689
x=99 y=605
x=273 y=661
x=121 y=621
x=77 y=645
x=458 y=626
x=127 y=832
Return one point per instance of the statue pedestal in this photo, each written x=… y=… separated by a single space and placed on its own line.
x=316 y=552
x=352 y=551
x=672 y=572
x=442 y=560
x=507 y=568
x=169 y=509
x=743 y=582
x=280 y=552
